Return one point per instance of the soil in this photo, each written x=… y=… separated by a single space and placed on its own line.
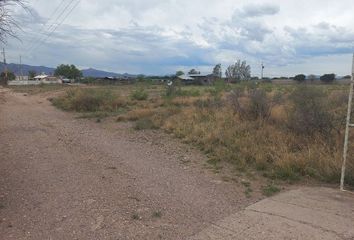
x=62 y=177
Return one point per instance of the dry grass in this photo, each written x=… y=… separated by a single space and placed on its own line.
x=90 y=100
x=137 y=114
x=265 y=143
x=41 y=88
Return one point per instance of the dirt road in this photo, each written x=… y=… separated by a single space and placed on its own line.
x=68 y=178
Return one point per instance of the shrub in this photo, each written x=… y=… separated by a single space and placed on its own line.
x=309 y=113
x=328 y=78
x=89 y=100
x=144 y=124
x=175 y=90
x=270 y=190
x=139 y=94
x=253 y=104
x=300 y=78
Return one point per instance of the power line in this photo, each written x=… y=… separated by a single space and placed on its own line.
x=50 y=28
x=45 y=38
x=33 y=40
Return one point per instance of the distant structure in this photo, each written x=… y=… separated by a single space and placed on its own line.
x=200 y=79
x=47 y=79
x=39 y=79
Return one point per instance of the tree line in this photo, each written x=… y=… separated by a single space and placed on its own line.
x=326 y=78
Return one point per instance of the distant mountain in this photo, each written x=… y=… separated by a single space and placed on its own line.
x=15 y=68
x=48 y=70
x=99 y=73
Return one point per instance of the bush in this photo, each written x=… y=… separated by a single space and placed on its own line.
x=309 y=113
x=253 y=104
x=139 y=94
x=328 y=78
x=270 y=190
x=300 y=78
x=89 y=100
x=144 y=124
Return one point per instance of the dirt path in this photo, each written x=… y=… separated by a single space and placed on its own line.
x=67 y=178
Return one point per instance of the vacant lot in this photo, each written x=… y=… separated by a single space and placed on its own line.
x=283 y=132
x=113 y=176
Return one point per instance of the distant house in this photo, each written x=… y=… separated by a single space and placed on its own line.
x=200 y=79
x=47 y=79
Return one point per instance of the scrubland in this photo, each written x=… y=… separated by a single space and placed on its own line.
x=283 y=132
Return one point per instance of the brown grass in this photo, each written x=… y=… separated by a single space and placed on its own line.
x=268 y=145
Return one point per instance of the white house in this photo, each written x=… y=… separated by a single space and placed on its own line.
x=47 y=79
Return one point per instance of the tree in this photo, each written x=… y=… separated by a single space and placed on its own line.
x=300 y=78
x=217 y=72
x=10 y=76
x=239 y=71
x=179 y=73
x=347 y=77
x=31 y=74
x=328 y=78
x=7 y=22
x=193 y=71
x=68 y=71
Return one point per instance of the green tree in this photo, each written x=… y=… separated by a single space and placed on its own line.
x=179 y=73
x=217 y=72
x=300 y=78
x=328 y=78
x=68 y=71
x=239 y=71
x=193 y=71
x=10 y=76
x=31 y=74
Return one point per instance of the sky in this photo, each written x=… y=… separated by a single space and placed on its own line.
x=163 y=36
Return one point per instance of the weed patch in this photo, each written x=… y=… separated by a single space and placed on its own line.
x=139 y=94
x=89 y=100
x=270 y=190
x=144 y=124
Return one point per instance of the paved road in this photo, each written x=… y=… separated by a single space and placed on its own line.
x=68 y=178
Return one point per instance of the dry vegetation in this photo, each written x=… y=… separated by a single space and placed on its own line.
x=285 y=132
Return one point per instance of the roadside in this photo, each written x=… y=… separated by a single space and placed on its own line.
x=68 y=178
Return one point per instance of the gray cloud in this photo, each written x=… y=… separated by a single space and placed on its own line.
x=156 y=36
x=253 y=10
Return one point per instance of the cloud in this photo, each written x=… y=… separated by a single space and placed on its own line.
x=254 y=10
x=159 y=37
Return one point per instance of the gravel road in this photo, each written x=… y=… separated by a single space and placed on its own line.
x=67 y=178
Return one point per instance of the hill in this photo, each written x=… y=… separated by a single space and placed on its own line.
x=90 y=72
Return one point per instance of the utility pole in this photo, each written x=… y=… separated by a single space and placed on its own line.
x=349 y=124
x=262 y=71
x=5 y=65
x=21 y=73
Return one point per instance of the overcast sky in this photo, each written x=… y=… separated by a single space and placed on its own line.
x=162 y=36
